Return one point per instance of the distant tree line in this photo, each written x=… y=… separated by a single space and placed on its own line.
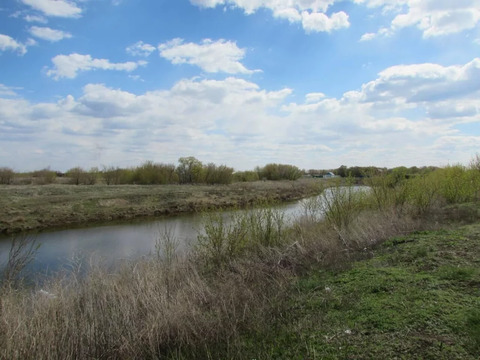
x=369 y=171
x=190 y=170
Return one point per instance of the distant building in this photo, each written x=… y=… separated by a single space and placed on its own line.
x=329 y=175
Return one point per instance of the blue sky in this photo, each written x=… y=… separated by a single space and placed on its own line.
x=314 y=83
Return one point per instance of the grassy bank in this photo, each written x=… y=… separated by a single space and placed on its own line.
x=417 y=297
x=38 y=207
x=386 y=273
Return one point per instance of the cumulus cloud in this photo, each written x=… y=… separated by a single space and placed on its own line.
x=211 y=56
x=432 y=17
x=319 y=22
x=57 y=8
x=140 y=49
x=49 y=34
x=407 y=115
x=68 y=66
x=423 y=83
x=310 y=13
x=7 y=43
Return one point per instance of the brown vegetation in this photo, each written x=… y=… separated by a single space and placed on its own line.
x=51 y=206
x=232 y=286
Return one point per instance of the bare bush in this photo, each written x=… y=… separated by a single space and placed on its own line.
x=22 y=251
x=6 y=175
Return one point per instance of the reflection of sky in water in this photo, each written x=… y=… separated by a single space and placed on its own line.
x=107 y=244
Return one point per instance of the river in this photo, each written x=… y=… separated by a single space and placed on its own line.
x=109 y=244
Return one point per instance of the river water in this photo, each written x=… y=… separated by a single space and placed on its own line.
x=109 y=244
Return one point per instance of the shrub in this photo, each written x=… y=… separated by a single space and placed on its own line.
x=342 y=203
x=44 y=176
x=6 y=175
x=245 y=176
x=155 y=173
x=79 y=176
x=279 y=172
x=228 y=236
x=218 y=174
x=458 y=184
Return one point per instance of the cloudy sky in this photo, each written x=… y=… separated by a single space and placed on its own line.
x=313 y=83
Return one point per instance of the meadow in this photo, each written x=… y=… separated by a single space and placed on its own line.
x=40 y=207
x=391 y=272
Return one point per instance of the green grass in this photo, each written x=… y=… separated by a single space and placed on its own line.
x=417 y=297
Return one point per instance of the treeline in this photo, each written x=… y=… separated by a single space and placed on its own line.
x=188 y=171
x=369 y=171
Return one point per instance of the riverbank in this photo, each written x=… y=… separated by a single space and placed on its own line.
x=388 y=273
x=418 y=296
x=41 y=207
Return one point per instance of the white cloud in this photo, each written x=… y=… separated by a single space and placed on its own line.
x=310 y=13
x=140 y=49
x=49 y=34
x=36 y=18
x=210 y=56
x=382 y=32
x=58 y=8
x=7 y=43
x=432 y=17
x=68 y=66
x=7 y=91
x=407 y=115
x=319 y=22
x=424 y=83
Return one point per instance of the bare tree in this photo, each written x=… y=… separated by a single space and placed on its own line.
x=22 y=251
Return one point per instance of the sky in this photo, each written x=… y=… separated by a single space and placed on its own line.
x=313 y=83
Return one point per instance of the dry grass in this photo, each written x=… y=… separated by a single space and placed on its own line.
x=193 y=306
x=35 y=207
x=145 y=310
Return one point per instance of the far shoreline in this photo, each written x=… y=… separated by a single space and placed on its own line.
x=30 y=208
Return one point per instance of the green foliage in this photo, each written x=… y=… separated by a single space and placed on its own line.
x=228 y=236
x=279 y=172
x=389 y=189
x=190 y=170
x=475 y=163
x=342 y=203
x=245 y=176
x=423 y=192
x=221 y=174
x=458 y=184
x=150 y=173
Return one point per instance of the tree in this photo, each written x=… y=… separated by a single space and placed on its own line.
x=342 y=171
x=190 y=170
x=76 y=175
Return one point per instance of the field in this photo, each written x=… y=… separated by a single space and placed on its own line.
x=37 y=207
x=388 y=273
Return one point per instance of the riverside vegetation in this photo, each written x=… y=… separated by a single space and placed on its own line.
x=391 y=272
x=42 y=200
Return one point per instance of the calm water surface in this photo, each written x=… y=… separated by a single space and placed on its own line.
x=111 y=243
